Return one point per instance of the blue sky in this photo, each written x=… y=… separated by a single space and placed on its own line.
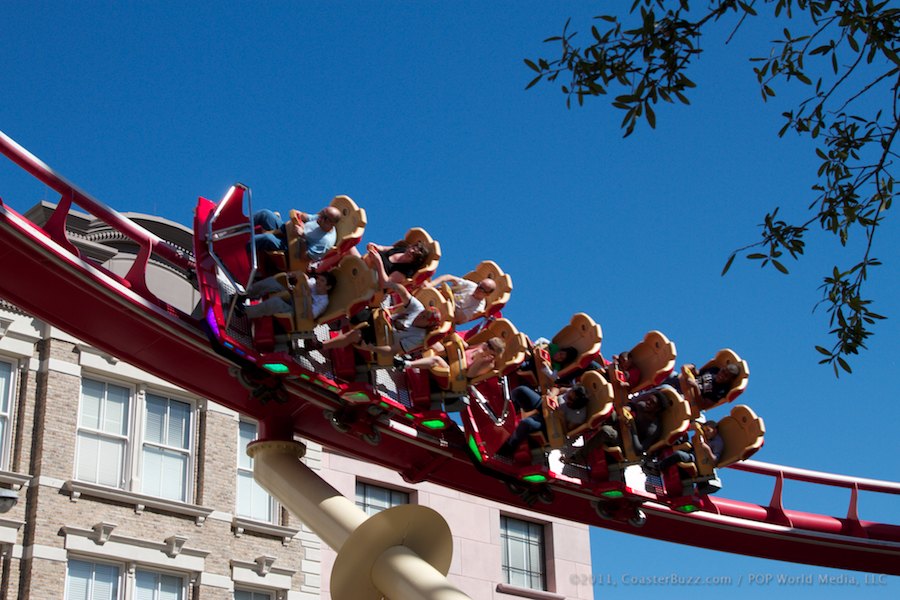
x=417 y=110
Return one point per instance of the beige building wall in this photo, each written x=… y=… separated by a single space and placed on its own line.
x=475 y=523
x=59 y=518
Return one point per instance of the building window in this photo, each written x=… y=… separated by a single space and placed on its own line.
x=91 y=581
x=103 y=423
x=166 y=450
x=149 y=585
x=522 y=545
x=251 y=595
x=252 y=501
x=6 y=403
x=108 y=441
x=374 y=499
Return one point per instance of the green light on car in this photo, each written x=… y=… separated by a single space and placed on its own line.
x=277 y=368
x=473 y=446
x=534 y=478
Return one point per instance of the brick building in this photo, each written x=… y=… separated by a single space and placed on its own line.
x=131 y=489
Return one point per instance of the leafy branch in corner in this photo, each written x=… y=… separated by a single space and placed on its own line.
x=844 y=54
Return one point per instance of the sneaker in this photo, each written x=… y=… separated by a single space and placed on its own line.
x=504 y=451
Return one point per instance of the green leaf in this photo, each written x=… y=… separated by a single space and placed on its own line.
x=534 y=81
x=728 y=264
x=747 y=8
x=780 y=266
x=892 y=56
x=844 y=364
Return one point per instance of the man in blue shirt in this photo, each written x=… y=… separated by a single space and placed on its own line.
x=316 y=232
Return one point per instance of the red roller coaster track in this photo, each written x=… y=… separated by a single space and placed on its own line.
x=44 y=275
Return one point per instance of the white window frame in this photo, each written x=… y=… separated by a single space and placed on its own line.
x=247 y=472
x=255 y=594
x=125 y=472
x=6 y=416
x=135 y=439
x=530 y=571
x=120 y=580
x=127 y=578
x=370 y=509
x=185 y=591
x=189 y=452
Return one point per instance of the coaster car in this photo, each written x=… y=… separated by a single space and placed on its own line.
x=581 y=334
x=722 y=359
x=350 y=230
x=417 y=234
x=355 y=286
x=586 y=336
x=440 y=385
x=226 y=262
x=497 y=299
x=654 y=357
x=684 y=484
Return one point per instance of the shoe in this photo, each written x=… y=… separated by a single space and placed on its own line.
x=504 y=452
x=400 y=363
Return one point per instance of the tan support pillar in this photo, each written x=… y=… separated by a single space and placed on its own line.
x=399 y=573
x=402 y=553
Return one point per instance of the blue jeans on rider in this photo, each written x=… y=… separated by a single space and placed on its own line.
x=524 y=399
x=676 y=457
x=269 y=221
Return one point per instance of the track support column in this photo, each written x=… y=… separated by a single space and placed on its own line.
x=402 y=553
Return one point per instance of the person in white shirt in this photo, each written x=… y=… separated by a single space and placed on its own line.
x=468 y=296
x=281 y=300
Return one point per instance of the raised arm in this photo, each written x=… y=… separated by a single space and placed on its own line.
x=447 y=278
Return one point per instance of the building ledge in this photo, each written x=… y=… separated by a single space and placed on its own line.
x=100 y=541
x=14 y=480
x=241 y=524
x=77 y=489
x=9 y=534
x=514 y=590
